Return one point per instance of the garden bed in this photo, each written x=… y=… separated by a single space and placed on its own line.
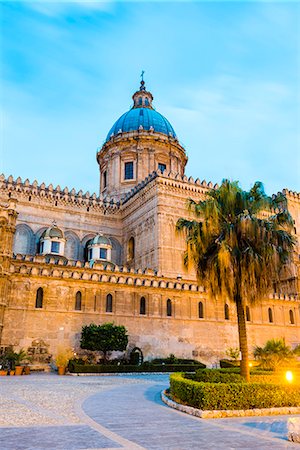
x=236 y=395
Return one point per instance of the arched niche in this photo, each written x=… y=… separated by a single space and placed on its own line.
x=24 y=240
x=116 y=251
x=72 y=245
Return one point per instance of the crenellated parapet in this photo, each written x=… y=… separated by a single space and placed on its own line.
x=293 y=194
x=181 y=182
x=32 y=191
x=53 y=267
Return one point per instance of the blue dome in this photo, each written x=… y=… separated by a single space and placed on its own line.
x=147 y=117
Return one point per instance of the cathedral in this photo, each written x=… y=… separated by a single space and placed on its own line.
x=68 y=258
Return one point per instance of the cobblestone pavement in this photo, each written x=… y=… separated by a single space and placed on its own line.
x=40 y=412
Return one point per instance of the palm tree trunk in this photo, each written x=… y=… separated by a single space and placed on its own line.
x=245 y=372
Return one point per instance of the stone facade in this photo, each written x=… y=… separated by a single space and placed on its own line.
x=48 y=297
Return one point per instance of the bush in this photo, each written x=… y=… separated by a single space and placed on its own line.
x=227 y=363
x=275 y=354
x=220 y=396
x=173 y=360
x=218 y=376
x=145 y=367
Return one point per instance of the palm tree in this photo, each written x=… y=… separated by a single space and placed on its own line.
x=237 y=246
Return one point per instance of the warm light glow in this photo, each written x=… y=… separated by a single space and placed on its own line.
x=289 y=376
x=250 y=364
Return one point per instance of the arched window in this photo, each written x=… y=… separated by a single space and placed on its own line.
x=39 y=298
x=292 y=319
x=226 y=311
x=131 y=246
x=169 y=308
x=200 y=310
x=270 y=314
x=140 y=101
x=109 y=303
x=248 y=317
x=78 y=301
x=143 y=306
x=146 y=101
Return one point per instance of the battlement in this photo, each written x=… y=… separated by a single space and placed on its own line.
x=56 y=267
x=55 y=195
x=172 y=179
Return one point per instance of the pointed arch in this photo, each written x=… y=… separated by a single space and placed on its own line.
x=39 y=298
x=78 y=301
x=142 y=306
x=72 y=245
x=200 y=310
x=109 y=303
x=131 y=249
x=24 y=240
x=248 y=315
x=169 y=308
x=270 y=315
x=116 y=251
x=226 y=311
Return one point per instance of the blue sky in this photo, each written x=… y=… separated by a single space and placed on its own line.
x=225 y=74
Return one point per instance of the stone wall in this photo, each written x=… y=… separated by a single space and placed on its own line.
x=183 y=333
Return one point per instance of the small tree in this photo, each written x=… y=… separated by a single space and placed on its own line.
x=105 y=338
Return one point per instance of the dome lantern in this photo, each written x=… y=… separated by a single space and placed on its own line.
x=142 y=98
x=52 y=241
x=99 y=248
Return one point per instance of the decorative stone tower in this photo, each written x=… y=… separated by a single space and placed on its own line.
x=141 y=141
x=8 y=217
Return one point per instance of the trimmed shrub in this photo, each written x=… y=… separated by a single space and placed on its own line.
x=174 y=360
x=228 y=363
x=218 y=376
x=146 y=367
x=220 y=396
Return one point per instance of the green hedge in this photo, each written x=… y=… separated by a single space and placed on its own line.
x=220 y=396
x=107 y=368
x=218 y=376
x=227 y=363
x=176 y=361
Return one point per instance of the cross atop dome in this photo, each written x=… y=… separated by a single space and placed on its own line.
x=142 y=87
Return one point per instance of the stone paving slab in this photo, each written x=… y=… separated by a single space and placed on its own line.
x=42 y=412
x=58 y=438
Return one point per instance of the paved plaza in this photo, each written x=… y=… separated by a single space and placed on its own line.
x=45 y=411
